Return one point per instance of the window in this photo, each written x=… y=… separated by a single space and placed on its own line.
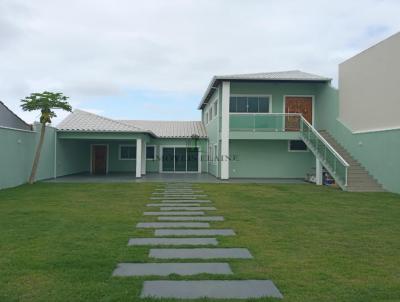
x=207 y=118
x=215 y=153
x=215 y=108
x=150 y=152
x=127 y=152
x=297 y=145
x=210 y=156
x=210 y=113
x=251 y=104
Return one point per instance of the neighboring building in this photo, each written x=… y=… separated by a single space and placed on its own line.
x=283 y=125
x=11 y=120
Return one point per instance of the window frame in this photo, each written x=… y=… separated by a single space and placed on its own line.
x=126 y=145
x=269 y=96
x=154 y=152
x=302 y=151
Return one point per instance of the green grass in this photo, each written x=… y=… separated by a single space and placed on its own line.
x=61 y=242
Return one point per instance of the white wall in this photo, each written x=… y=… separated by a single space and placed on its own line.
x=369 y=87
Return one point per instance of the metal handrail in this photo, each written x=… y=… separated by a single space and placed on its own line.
x=343 y=161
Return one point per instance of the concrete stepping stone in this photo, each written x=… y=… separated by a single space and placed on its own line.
x=187 y=208
x=172 y=241
x=214 y=289
x=191 y=218
x=177 y=213
x=177 y=198
x=194 y=232
x=187 y=200
x=200 y=253
x=175 y=193
x=165 y=269
x=173 y=204
x=158 y=225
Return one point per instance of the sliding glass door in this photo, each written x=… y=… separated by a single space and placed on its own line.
x=180 y=159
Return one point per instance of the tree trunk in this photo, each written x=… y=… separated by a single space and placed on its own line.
x=37 y=155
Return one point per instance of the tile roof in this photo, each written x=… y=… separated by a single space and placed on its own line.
x=80 y=120
x=291 y=75
x=171 y=129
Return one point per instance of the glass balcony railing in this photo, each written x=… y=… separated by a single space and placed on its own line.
x=270 y=122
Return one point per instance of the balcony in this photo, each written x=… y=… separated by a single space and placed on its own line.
x=265 y=126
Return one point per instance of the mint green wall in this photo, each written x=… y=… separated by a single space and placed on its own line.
x=378 y=152
x=73 y=156
x=17 y=150
x=269 y=159
x=277 y=90
x=213 y=131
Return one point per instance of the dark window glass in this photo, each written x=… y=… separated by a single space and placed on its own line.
x=232 y=104
x=263 y=105
x=150 y=152
x=252 y=104
x=241 y=104
x=128 y=152
x=297 y=146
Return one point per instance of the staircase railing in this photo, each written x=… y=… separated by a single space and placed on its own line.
x=330 y=159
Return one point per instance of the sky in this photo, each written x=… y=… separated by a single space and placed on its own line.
x=153 y=59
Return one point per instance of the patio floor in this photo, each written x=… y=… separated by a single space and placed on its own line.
x=164 y=177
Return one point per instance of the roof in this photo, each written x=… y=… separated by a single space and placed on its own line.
x=83 y=121
x=9 y=119
x=80 y=120
x=291 y=76
x=171 y=129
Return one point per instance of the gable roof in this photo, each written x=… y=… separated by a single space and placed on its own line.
x=80 y=120
x=283 y=76
x=9 y=119
x=171 y=129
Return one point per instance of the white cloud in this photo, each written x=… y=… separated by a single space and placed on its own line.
x=98 y=48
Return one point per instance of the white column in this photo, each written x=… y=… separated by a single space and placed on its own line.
x=318 y=172
x=144 y=158
x=138 y=158
x=226 y=87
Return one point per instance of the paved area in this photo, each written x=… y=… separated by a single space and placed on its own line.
x=179 y=213
x=191 y=218
x=243 y=289
x=156 y=225
x=182 y=223
x=191 y=232
x=172 y=241
x=165 y=269
x=201 y=253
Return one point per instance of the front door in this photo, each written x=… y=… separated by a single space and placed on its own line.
x=99 y=159
x=297 y=104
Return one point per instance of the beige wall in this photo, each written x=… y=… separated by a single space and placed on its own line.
x=369 y=87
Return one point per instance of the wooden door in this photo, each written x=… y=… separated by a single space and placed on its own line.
x=297 y=104
x=99 y=159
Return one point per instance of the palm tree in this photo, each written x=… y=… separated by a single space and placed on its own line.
x=45 y=102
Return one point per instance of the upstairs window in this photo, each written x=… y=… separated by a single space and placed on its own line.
x=249 y=104
x=215 y=108
x=210 y=113
x=127 y=152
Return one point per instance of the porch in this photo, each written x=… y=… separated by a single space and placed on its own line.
x=121 y=177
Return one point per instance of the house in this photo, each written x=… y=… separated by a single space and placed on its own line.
x=9 y=119
x=284 y=125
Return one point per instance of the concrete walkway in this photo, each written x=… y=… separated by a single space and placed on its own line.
x=186 y=227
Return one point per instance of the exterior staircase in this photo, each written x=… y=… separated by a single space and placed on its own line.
x=358 y=178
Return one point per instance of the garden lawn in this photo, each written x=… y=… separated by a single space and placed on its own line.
x=61 y=242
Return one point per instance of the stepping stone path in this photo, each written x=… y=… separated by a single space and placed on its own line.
x=182 y=222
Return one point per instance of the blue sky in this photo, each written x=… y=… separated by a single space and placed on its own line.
x=153 y=59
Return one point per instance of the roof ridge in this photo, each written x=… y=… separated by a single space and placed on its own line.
x=166 y=121
x=111 y=120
